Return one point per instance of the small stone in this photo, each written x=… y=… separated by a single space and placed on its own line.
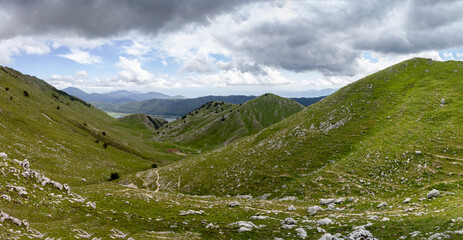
x=291 y=208
x=383 y=204
x=407 y=200
x=234 y=204
x=418 y=152
x=442 y=101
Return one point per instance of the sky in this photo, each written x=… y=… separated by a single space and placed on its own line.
x=222 y=47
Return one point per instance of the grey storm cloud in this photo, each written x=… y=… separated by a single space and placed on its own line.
x=330 y=40
x=327 y=36
x=103 y=18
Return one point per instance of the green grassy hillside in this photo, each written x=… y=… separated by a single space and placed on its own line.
x=360 y=141
x=66 y=137
x=393 y=135
x=218 y=123
x=143 y=121
x=169 y=107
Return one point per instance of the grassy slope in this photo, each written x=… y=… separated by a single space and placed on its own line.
x=218 y=123
x=146 y=214
x=358 y=141
x=170 y=107
x=143 y=121
x=61 y=142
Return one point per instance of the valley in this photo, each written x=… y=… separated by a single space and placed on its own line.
x=381 y=158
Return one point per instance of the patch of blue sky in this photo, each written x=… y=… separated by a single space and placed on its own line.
x=452 y=54
x=220 y=57
x=367 y=55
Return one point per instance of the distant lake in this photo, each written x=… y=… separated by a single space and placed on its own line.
x=170 y=119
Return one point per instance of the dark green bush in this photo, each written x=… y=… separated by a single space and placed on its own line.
x=7 y=88
x=105 y=145
x=154 y=165
x=114 y=176
x=26 y=94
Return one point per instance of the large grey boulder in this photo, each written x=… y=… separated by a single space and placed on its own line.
x=301 y=233
x=433 y=193
x=361 y=234
x=314 y=209
x=324 y=221
x=327 y=201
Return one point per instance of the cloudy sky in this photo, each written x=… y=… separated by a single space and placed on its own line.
x=200 y=47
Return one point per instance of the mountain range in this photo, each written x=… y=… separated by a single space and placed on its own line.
x=117 y=97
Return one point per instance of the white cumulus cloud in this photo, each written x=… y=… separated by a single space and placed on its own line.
x=81 y=57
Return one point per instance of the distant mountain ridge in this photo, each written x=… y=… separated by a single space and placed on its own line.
x=218 y=123
x=117 y=97
x=180 y=107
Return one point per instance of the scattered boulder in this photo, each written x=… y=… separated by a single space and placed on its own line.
x=324 y=221
x=3 y=155
x=439 y=236
x=442 y=101
x=340 y=200
x=191 y=212
x=418 y=152
x=350 y=199
x=381 y=205
x=332 y=207
x=259 y=217
x=290 y=198
x=301 y=233
x=327 y=201
x=25 y=164
x=433 y=193
x=291 y=208
x=234 y=204
x=244 y=226
x=289 y=221
x=407 y=200
x=360 y=234
x=328 y=236
x=91 y=204
x=81 y=234
x=244 y=197
x=244 y=229
x=117 y=234
x=264 y=196
x=6 y=197
x=314 y=209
